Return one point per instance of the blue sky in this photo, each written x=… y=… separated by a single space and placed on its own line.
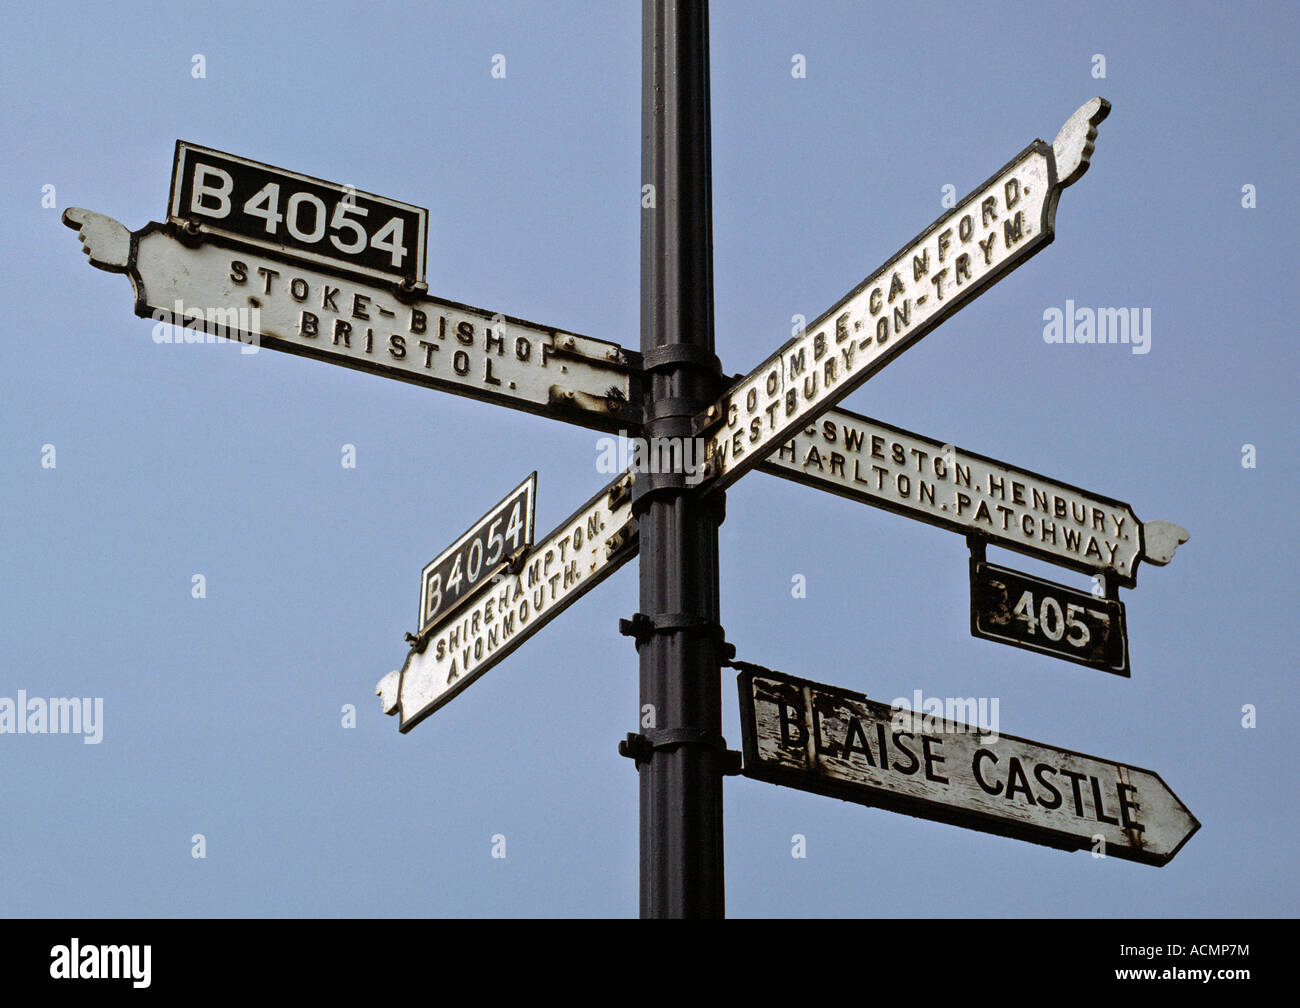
x=222 y=715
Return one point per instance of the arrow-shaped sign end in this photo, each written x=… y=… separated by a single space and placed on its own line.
x=1073 y=146
x=388 y=689
x=104 y=240
x=1160 y=539
x=1191 y=825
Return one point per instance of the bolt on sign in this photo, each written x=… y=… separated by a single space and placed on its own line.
x=1028 y=612
x=873 y=463
x=496 y=617
x=836 y=742
x=994 y=229
x=489 y=547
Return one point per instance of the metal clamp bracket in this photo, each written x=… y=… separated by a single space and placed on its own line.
x=621 y=492
x=680 y=355
x=729 y=661
x=676 y=408
x=652 y=485
x=641 y=748
x=642 y=627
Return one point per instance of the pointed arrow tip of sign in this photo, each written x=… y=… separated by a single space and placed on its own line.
x=104 y=240
x=1073 y=146
x=1160 y=539
x=388 y=691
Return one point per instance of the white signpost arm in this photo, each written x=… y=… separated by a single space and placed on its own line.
x=245 y=294
x=838 y=742
x=998 y=226
x=932 y=481
x=579 y=554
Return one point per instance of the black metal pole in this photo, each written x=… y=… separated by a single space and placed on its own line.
x=680 y=643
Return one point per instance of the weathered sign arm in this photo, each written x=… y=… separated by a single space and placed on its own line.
x=994 y=229
x=840 y=743
x=209 y=284
x=580 y=553
x=938 y=483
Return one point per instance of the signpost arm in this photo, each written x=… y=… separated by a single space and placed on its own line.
x=678 y=637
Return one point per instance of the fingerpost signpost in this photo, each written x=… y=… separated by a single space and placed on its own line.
x=321 y=270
